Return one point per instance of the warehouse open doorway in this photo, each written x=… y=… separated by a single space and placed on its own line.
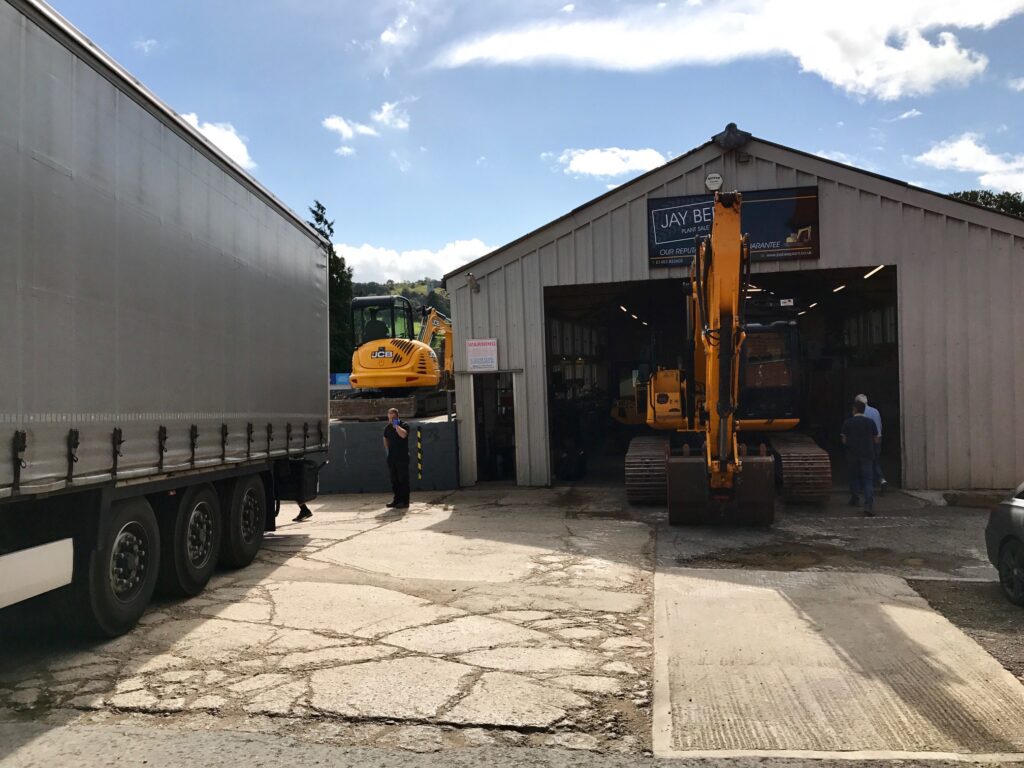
x=494 y=419
x=602 y=342
x=849 y=345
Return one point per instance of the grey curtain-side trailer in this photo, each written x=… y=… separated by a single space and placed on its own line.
x=163 y=338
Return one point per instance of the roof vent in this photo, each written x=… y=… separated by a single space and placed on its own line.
x=731 y=138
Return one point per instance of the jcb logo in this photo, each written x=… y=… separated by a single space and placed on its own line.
x=381 y=352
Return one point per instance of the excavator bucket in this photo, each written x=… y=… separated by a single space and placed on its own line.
x=755 y=491
x=687 y=481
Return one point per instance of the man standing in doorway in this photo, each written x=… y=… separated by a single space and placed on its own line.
x=872 y=413
x=860 y=436
x=396 y=446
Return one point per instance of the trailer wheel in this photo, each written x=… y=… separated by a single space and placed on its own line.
x=113 y=584
x=245 y=519
x=190 y=535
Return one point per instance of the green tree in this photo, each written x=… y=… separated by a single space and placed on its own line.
x=339 y=293
x=1004 y=202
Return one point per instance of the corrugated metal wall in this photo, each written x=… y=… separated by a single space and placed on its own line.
x=960 y=270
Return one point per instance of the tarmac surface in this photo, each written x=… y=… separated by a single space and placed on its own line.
x=515 y=626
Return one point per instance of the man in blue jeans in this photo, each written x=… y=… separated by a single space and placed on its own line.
x=860 y=435
x=872 y=413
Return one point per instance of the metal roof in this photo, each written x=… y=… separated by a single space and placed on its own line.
x=728 y=144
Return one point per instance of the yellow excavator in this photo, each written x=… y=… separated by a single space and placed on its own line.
x=392 y=361
x=724 y=465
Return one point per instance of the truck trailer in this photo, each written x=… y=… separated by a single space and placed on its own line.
x=163 y=339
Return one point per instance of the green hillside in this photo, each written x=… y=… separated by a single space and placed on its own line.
x=426 y=292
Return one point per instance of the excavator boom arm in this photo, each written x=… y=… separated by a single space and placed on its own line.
x=720 y=273
x=437 y=324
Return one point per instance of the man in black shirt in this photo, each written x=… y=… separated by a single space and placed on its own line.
x=860 y=435
x=396 y=446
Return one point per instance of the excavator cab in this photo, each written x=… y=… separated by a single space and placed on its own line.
x=375 y=318
x=769 y=378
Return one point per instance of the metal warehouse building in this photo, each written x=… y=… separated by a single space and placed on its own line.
x=580 y=308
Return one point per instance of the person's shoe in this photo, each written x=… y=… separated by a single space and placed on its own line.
x=303 y=516
x=882 y=488
x=869 y=512
x=854 y=500
x=391 y=504
x=401 y=506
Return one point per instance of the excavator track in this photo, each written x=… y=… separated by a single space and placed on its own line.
x=646 y=470
x=806 y=468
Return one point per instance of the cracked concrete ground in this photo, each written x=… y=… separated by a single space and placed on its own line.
x=511 y=619
x=480 y=618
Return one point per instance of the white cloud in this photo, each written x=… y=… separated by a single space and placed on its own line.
x=398 y=32
x=345 y=151
x=347 y=129
x=967 y=154
x=146 y=46
x=391 y=115
x=846 y=159
x=481 y=160
x=568 y=8
x=1017 y=84
x=611 y=161
x=371 y=262
x=837 y=156
x=225 y=138
x=910 y=114
x=872 y=48
x=403 y=163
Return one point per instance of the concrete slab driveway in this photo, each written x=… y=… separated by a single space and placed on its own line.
x=830 y=654
x=479 y=618
x=510 y=618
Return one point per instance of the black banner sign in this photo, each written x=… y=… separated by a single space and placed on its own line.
x=782 y=224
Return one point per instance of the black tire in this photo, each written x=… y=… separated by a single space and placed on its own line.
x=113 y=584
x=244 y=502
x=190 y=540
x=1011 y=571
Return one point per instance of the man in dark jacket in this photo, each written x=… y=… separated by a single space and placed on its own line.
x=396 y=446
x=860 y=435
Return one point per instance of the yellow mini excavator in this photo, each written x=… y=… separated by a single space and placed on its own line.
x=393 y=364
x=724 y=464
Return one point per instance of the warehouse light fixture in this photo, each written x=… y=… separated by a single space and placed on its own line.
x=837 y=290
x=812 y=306
x=644 y=322
x=634 y=317
x=753 y=289
x=801 y=313
x=873 y=271
x=623 y=308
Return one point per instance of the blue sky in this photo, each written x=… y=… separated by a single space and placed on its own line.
x=434 y=130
